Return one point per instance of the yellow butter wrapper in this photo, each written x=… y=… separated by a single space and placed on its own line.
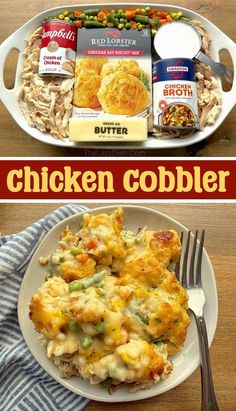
x=100 y=130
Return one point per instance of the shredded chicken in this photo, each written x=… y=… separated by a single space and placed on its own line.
x=208 y=93
x=45 y=102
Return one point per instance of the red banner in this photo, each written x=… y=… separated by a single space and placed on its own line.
x=107 y=179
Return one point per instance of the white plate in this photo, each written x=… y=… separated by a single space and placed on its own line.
x=184 y=363
x=17 y=41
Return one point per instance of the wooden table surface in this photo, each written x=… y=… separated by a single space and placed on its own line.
x=15 y=142
x=219 y=222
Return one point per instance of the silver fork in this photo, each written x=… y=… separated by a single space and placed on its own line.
x=219 y=68
x=188 y=272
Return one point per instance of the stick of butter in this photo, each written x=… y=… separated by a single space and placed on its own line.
x=125 y=129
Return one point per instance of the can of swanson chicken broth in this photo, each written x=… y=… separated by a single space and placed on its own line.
x=175 y=93
x=58 y=48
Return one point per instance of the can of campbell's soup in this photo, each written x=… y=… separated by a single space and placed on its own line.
x=58 y=48
x=175 y=93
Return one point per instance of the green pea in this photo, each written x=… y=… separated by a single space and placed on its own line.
x=100 y=328
x=128 y=26
x=147 y=10
x=91 y=18
x=85 y=341
x=76 y=250
x=73 y=326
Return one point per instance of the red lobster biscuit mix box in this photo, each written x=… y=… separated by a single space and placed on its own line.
x=112 y=92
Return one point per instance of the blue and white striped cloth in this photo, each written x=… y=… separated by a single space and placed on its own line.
x=24 y=385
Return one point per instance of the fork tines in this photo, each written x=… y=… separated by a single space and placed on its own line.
x=188 y=268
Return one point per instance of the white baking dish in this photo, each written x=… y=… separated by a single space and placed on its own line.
x=17 y=41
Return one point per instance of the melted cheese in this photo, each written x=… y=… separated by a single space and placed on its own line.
x=120 y=315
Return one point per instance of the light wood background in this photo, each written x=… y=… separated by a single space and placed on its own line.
x=15 y=142
x=219 y=222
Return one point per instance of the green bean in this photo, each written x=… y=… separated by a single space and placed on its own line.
x=85 y=341
x=112 y=19
x=71 y=16
x=154 y=23
x=142 y=317
x=184 y=18
x=73 y=326
x=93 y=24
x=142 y=19
x=94 y=279
x=91 y=12
x=76 y=285
x=106 y=383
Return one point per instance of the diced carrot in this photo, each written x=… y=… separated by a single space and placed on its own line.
x=78 y=23
x=153 y=14
x=163 y=14
x=82 y=258
x=130 y=14
x=163 y=21
x=91 y=244
x=169 y=18
x=101 y=14
x=77 y=13
x=133 y=24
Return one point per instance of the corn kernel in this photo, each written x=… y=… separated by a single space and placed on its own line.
x=66 y=12
x=104 y=22
x=61 y=16
x=67 y=18
x=180 y=13
x=95 y=18
x=110 y=25
x=121 y=26
x=140 y=27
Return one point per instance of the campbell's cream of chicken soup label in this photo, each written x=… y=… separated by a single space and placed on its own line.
x=58 y=48
x=175 y=94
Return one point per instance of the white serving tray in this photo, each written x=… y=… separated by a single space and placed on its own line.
x=17 y=41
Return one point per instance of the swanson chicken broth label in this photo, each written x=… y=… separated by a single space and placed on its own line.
x=113 y=76
x=175 y=93
x=58 y=49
